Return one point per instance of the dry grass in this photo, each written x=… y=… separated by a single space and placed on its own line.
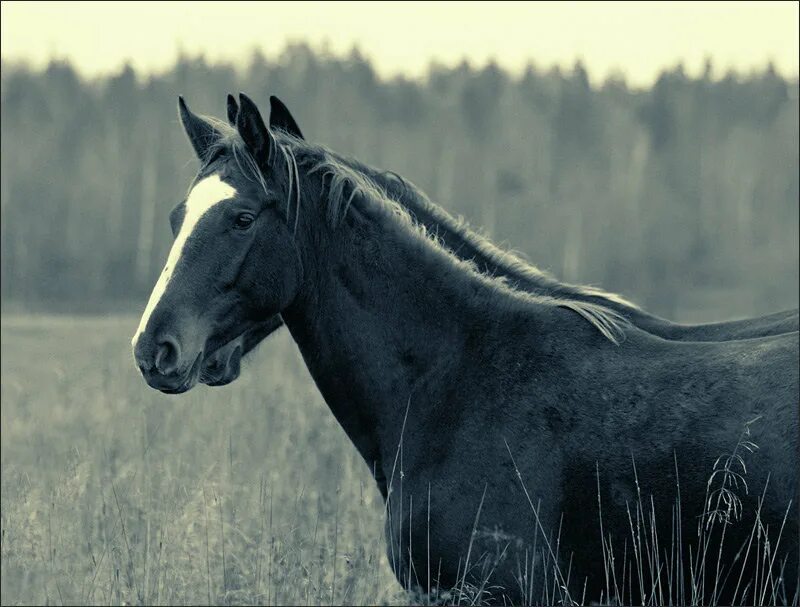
x=115 y=494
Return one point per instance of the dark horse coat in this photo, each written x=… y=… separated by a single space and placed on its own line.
x=224 y=366
x=498 y=423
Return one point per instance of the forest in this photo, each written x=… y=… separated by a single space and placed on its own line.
x=683 y=196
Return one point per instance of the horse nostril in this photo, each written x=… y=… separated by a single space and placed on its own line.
x=143 y=366
x=168 y=355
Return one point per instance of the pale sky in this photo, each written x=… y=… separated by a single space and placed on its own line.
x=638 y=39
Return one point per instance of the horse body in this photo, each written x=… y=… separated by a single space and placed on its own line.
x=467 y=367
x=494 y=419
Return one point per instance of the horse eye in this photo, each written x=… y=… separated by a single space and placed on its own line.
x=243 y=221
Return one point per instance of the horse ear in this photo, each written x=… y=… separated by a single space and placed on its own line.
x=233 y=110
x=202 y=134
x=254 y=132
x=280 y=117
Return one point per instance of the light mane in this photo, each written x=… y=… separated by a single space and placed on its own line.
x=346 y=186
x=510 y=262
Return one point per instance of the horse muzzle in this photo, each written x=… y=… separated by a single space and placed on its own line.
x=163 y=363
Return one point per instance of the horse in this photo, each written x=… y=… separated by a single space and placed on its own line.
x=225 y=365
x=508 y=432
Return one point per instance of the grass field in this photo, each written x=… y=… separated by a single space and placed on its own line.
x=113 y=493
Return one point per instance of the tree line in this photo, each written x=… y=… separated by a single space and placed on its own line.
x=683 y=196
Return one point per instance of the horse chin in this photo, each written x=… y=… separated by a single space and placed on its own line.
x=216 y=374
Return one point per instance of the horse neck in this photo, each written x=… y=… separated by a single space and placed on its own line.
x=379 y=314
x=466 y=244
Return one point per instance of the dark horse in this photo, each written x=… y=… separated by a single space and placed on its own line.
x=224 y=366
x=529 y=447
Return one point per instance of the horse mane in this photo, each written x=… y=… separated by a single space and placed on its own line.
x=348 y=181
x=347 y=184
x=512 y=265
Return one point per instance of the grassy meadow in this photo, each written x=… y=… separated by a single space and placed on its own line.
x=113 y=493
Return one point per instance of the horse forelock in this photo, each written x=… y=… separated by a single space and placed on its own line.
x=231 y=143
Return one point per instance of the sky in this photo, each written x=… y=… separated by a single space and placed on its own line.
x=635 y=39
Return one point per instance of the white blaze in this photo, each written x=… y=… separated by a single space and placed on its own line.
x=207 y=193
